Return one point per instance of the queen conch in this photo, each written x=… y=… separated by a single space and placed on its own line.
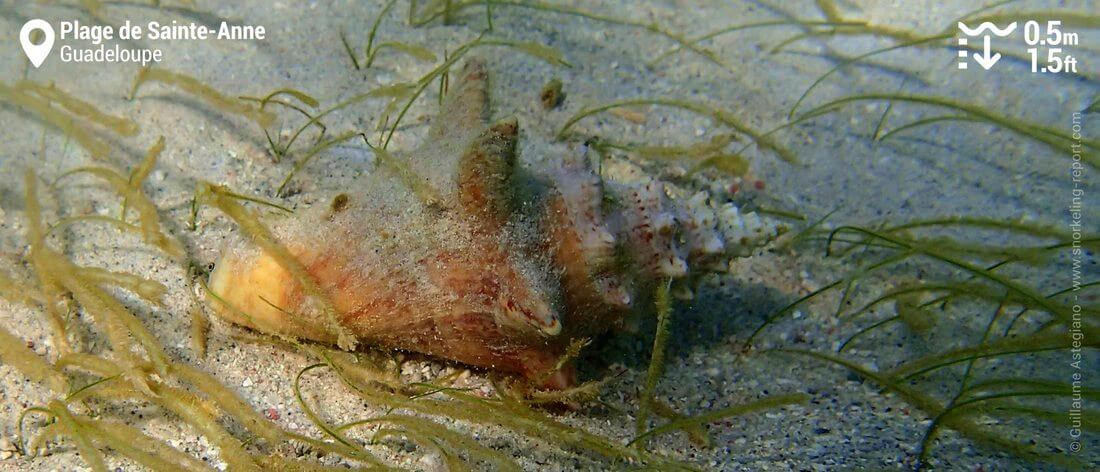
x=454 y=251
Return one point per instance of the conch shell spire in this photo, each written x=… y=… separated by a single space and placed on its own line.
x=465 y=107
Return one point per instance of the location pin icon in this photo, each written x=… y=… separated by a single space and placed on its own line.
x=36 y=52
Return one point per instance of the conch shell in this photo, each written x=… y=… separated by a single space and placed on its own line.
x=472 y=274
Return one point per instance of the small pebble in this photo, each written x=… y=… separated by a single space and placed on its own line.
x=271 y=414
x=551 y=95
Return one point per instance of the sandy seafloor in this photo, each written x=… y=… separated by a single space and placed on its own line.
x=850 y=424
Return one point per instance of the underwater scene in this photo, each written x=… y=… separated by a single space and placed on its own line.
x=543 y=235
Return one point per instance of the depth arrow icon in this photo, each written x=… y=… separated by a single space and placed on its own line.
x=985 y=59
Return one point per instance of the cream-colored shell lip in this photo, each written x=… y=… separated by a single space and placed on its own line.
x=258 y=293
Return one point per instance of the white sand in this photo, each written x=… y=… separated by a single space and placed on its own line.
x=945 y=169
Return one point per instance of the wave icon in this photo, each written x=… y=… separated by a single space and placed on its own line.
x=987 y=26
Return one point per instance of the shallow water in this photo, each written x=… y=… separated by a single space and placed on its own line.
x=947 y=168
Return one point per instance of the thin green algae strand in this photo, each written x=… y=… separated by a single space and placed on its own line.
x=68 y=125
x=209 y=94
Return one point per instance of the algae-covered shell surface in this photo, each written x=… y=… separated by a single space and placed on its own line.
x=520 y=235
